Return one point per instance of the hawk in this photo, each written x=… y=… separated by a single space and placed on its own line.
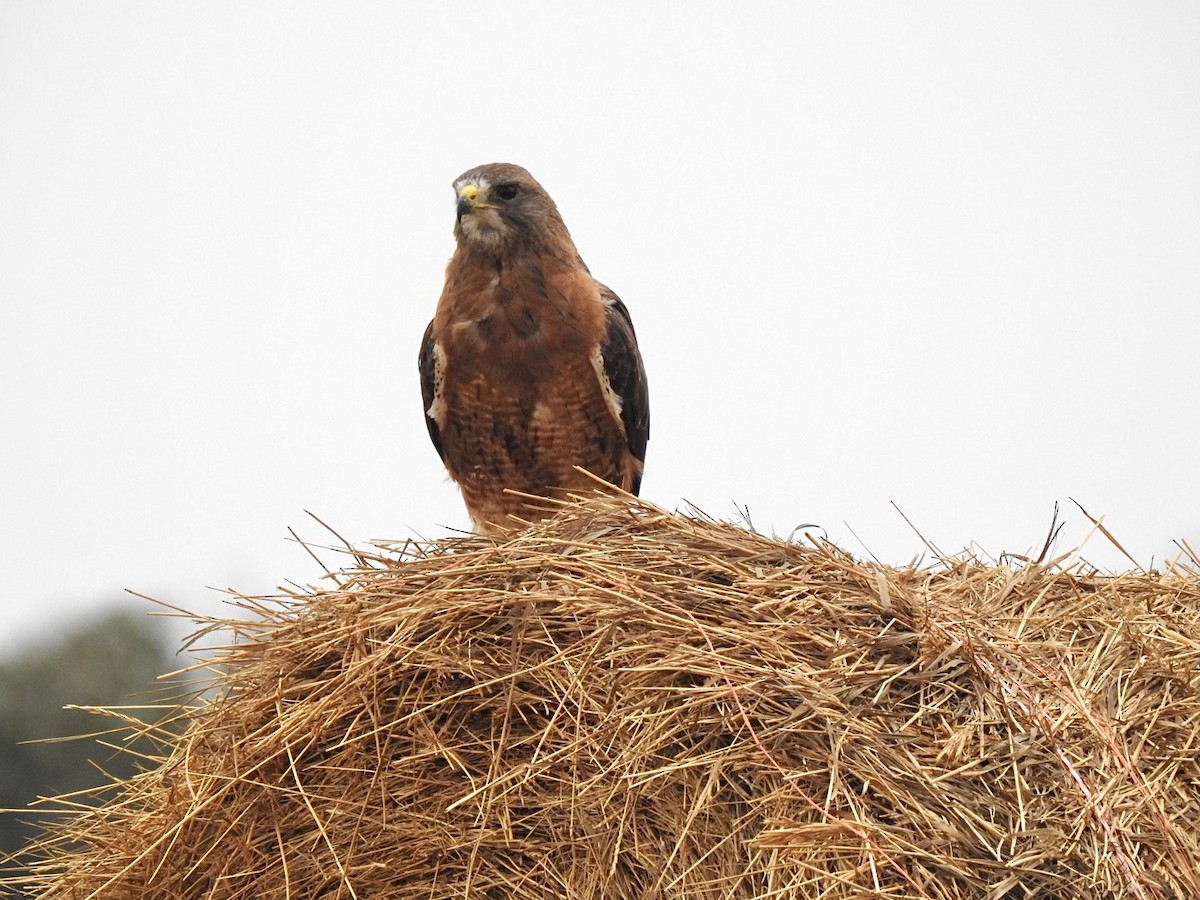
x=530 y=366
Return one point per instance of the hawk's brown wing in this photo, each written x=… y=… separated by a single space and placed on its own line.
x=426 y=362
x=626 y=376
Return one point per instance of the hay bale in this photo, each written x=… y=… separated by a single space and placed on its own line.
x=627 y=703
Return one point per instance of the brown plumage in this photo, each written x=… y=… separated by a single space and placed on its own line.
x=530 y=366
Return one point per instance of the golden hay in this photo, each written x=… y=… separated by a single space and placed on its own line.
x=628 y=703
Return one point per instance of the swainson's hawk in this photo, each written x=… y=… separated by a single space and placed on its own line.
x=530 y=366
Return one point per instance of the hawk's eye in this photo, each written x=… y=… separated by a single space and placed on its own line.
x=507 y=191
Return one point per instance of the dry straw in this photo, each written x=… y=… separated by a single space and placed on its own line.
x=627 y=703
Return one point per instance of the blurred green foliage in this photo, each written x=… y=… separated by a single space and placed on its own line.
x=112 y=660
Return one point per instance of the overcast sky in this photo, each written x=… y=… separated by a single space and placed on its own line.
x=944 y=255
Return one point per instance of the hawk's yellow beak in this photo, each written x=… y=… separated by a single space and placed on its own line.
x=468 y=199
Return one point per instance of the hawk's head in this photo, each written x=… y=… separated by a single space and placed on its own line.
x=501 y=205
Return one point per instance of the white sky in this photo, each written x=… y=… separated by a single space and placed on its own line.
x=941 y=254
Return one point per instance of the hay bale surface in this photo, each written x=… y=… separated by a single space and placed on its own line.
x=627 y=703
